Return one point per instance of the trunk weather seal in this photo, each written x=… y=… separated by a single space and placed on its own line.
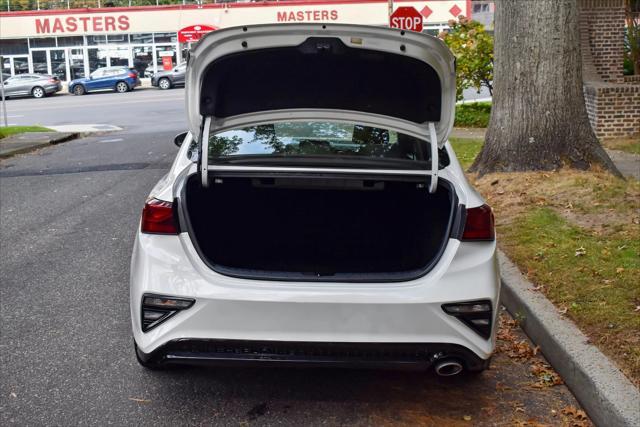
x=280 y=276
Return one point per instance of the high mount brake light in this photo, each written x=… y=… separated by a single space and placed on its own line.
x=158 y=218
x=479 y=224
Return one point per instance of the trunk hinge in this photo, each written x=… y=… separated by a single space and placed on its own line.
x=204 y=152
x=433 y=140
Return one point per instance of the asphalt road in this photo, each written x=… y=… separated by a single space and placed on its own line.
x=68 y=215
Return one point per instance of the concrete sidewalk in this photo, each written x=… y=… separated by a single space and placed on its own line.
x=24 y=142
x=27 y=141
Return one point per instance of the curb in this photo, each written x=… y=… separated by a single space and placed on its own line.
x=21 y=147
x=607 y=396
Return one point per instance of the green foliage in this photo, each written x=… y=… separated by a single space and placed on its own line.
x=12 y=130
x=473 y=115
x=473 y=48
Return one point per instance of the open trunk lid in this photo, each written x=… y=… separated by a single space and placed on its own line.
x=245 y=76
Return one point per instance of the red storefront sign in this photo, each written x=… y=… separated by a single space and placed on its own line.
x=193 y=33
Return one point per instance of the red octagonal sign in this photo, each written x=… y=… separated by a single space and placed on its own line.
x=406 y=18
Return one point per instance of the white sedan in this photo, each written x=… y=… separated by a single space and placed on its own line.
x=315 y=213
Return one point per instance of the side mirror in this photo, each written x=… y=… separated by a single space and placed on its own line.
x=179 y=139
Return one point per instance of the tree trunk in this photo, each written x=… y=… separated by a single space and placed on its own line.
x=538 y=120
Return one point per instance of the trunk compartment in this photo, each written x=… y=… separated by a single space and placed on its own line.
x=319 y=228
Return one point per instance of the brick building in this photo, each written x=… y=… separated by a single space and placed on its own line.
x=613 y=100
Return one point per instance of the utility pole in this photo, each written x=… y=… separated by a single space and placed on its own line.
x=4 y=104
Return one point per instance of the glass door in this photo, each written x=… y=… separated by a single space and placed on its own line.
x=58 y=62
x=143 y=60
x=165 y=58
x=40 y=62
x=76 y=63
x=20 y=64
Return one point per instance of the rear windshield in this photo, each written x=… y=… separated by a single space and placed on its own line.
x=320 y=141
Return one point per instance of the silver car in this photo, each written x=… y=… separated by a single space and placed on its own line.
x=36 y=85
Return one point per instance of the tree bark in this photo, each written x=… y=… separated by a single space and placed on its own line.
x=538 y=119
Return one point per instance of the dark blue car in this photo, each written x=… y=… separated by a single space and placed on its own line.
x=119 y=79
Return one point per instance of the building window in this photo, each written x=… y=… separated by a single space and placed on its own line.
x=143 y=60
x=118 y=39
x=96 y=40
x=119 y=56
x=70 y=41
x=14 y=47
x=44 y=42
x=39 y=60
x=142 y=38
x=165 y=37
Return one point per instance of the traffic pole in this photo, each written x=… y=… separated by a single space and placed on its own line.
x=4 y=104
x=390 y=8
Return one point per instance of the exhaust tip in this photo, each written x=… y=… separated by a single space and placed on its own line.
x=448 y=368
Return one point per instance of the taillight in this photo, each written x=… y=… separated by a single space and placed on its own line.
x=479 y=224
x=133 y=75
x=158 y=218
x=53 y=80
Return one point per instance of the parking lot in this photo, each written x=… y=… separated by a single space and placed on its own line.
x=68 y=217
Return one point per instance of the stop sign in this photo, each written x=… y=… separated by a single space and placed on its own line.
x=406 y=18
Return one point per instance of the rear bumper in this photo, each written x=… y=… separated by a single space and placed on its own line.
x=228 y=308
x=410 y=356
x=49 y=89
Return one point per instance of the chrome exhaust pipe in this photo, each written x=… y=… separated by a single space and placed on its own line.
x=448 y=368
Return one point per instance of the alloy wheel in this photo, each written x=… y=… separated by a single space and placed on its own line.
x=37 y=92
x=164 y=84
x=121 y=87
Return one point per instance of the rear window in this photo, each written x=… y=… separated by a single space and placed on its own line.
x=320 y=141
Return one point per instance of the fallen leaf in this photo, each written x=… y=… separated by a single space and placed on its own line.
x=581 y=251
x=467 y=418
x=619 y=270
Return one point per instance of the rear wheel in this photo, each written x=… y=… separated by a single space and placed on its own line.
x=164 y=83
x=79 y=90
x=38 y=92
x=122 y=87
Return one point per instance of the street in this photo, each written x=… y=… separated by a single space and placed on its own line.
x=68 y=216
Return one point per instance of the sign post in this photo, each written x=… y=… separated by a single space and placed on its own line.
x=406 y=18
x=4 y=104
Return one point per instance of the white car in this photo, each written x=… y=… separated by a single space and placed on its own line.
x=315 y=212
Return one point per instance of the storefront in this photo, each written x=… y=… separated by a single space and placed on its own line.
x=73 y=43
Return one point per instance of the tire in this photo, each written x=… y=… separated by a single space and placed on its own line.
x=38 y=92
x=79 y=90
x=152 y=366
x=164 y=83
x=122 y=87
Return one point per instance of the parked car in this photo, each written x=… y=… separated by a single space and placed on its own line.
x=169 y=79
x=36 y=85
x=327 y=219
x=119 y=79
